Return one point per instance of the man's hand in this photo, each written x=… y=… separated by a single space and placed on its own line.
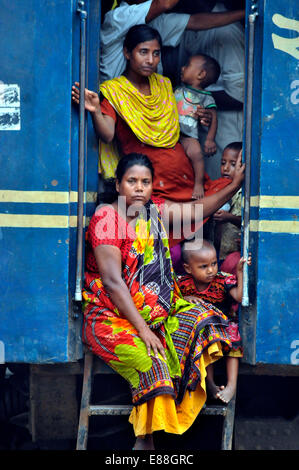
x=158 y=7
x=204 y=116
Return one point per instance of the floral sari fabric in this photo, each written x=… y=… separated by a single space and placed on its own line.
x=184 y=330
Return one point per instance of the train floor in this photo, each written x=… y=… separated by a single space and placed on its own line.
x=267 y=418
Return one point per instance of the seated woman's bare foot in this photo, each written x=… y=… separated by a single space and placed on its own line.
x=144 y=443
x=227 y=393
x=214 y=389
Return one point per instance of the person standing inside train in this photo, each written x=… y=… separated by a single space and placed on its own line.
x=227 y=46
x=171 y=27
x=139 y=112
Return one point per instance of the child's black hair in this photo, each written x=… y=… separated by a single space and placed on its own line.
x=212 y=68
x=234 y=146
x=206 y=244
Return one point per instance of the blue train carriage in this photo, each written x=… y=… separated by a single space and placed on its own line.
x=269 y=325
x=45 y=46
x=49 y=158
x=40 y=148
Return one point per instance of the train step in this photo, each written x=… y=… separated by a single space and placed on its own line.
x=93 y=365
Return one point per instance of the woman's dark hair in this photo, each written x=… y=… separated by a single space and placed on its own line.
x=107 y=193
x=127 y=161
x=140 y=33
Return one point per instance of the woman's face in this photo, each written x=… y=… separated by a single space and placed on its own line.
x=144 y=58
x=136 y=185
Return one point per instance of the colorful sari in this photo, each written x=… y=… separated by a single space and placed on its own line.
x=186 y=331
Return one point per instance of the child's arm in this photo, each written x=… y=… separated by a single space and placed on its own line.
x=225 y=216
x=237 y=292
x=210 y=147
x=192 y=299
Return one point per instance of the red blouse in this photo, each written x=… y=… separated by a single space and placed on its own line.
x=107 y=227
x=174 y=176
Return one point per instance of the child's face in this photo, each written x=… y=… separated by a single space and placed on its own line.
x=228 y=163
x=202 y=265
x=191 y=71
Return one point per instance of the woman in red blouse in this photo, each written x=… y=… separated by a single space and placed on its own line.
x=135 y=317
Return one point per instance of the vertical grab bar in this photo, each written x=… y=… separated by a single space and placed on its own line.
x=248 y=129
x=80 y=212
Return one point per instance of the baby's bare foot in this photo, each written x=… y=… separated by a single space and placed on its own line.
x=214 y=389
x=227 y=393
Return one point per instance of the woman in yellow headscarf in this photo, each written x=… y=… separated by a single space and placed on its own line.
x=140 y=110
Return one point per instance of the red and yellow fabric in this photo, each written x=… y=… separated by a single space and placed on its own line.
x=150 y=126
x=153 y=118
x=191 y=335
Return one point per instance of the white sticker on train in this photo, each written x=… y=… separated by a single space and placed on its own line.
x=2 y=353
x=10 y=107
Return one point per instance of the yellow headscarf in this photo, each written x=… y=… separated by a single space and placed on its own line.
x=153 y=118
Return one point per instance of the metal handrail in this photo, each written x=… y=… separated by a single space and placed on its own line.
x=248 y=147
x=81 y=164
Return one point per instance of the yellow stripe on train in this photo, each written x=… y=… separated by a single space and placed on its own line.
x=274 y=226
x=275 y=202
x=44 y=197
x=63 y=221
x=39 y=221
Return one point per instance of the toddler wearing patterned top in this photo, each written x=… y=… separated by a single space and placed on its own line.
x=200 y=72
x=203 y=281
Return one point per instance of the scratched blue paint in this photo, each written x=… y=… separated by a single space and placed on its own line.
x=271 y=325
x=267 y=213
x=277 y=319
x=279 y=149
x=39 y=48
x=36 y=304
